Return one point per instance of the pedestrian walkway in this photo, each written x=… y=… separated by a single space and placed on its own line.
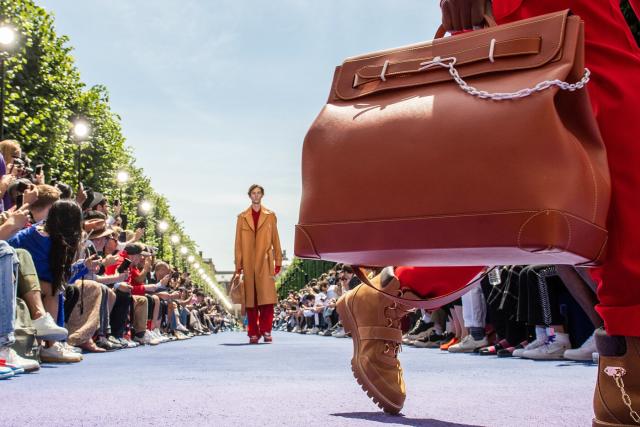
x=300 y=380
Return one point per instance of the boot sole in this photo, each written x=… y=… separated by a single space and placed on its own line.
x=349 y=324
x=598 y=423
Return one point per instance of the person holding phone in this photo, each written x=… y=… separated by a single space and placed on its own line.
x=135 y=260
x=258 y=256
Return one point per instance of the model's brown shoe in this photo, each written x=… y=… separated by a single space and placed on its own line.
x=617 y=396
x=374 y=323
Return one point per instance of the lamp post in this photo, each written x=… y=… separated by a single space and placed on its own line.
x=175 y=239
x=122 y=178
x=183 y=252
x=81 y=131
x=163 y=226
x=144 y=208
x=7 y=39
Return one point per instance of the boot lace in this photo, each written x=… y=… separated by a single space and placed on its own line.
x=394 y=313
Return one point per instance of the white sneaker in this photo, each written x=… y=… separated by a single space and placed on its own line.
x=47 y=329
x=297 y=330
x=340 y=333
x=131 y=343
x=551 y=350
x=12 y=358
x=468 y=344
x=69 y=348
x=584 y=353
x=57 y=354
x=314 y=331
x=152 y=338
x=531 y=346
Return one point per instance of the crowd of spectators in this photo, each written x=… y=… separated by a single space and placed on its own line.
x=73 y=280
x=532 y=312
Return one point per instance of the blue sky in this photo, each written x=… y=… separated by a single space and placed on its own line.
x=216 y=95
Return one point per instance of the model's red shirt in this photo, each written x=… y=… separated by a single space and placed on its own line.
x=256 y=216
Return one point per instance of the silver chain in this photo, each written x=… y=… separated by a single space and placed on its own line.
x=449 y=63
x=626 y=399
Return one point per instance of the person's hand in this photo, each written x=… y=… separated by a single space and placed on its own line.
x=39 y=179
x=117 y=210
x=138 y=234
x=239 y=270
x=110 y=260
x=30 y=195
x=81 y=196
x=459 y=15
x=18 y=219
x=5 y=182
x=278 y=268
x=92 y=262
x=165 y=280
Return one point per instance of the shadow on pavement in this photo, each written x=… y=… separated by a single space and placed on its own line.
x=399 y=419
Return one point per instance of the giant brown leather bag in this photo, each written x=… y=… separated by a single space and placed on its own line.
x=476 y=149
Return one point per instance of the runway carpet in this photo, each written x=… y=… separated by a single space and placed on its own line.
x=299 y=380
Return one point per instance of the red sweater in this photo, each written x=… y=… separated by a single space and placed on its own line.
x=256 y=217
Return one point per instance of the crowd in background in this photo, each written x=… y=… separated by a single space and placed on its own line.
x=532 y=312
x=74 y=279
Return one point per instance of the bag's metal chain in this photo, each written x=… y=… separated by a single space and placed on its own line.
x=626 y=399
x=449 y=63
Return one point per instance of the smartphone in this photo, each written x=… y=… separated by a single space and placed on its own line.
x=122 y=237
x=175 y=275
x=142 y=223
x=124 y=266
x=39 y=169
x=19 y=200
x=91 y=250
x=116 y=202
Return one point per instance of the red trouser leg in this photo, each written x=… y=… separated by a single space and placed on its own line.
x=614 y=60
x=266 y=318
x=252 y=320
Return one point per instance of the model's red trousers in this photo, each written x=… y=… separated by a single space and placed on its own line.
x=613 y=57
x=260 y=320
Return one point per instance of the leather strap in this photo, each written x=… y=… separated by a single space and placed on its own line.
x=422 y=302
x=502 y=49
x=380 y=333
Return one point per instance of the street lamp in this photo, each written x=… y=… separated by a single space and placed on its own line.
x=8 y=36
x=163 y=226
x=191 y=258
x=144 y=208
x=80 y=131
x=184 y=250
x=122 y=178
x=196 y=265
x=174 y=239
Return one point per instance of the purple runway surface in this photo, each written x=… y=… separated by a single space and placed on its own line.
x=299 y=380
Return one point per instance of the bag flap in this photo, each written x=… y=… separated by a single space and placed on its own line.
x=529 y=43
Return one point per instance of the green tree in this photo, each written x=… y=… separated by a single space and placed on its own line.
x=45 y=94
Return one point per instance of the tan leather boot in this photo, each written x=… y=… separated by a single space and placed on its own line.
x=374 y=323
x=617 y=396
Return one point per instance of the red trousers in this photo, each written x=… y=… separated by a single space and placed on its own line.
x=260 y=320
x=613 y=57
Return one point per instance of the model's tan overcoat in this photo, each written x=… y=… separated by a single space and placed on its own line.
x=257 y=253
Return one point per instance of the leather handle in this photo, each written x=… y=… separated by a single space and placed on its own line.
x=489 y=21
